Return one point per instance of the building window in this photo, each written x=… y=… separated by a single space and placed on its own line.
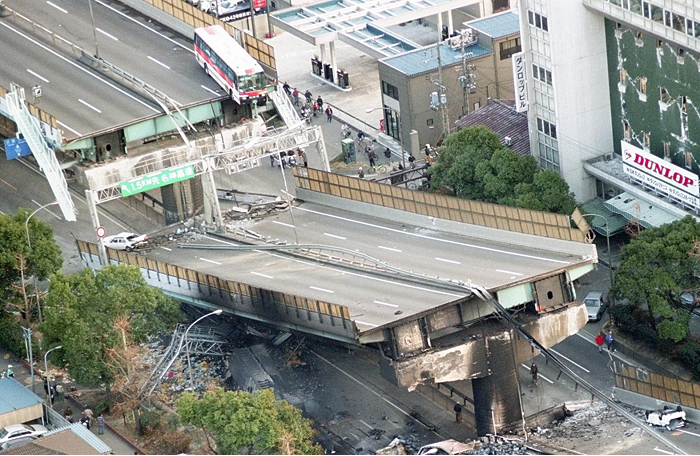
x=643 y=85
x=667 y=149
x=684 y=104
x=678 y=22
x=499 y=5
x=510 y=47
x=477 y=105
x=639 y=40
x=628 y=130
x=541 y=74
x=688 y=159
x=390 y=90
x=647 y=140
x=663 y=95
x=660 y=47
x=538 y=20
x=623 y=76
x=547 y=128
x=392 y=122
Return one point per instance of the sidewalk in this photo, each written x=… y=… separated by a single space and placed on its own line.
x=22 y=372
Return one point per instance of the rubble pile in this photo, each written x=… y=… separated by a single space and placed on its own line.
x=499 y=445
x=588 y=423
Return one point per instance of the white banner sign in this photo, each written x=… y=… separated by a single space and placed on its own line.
x=520 y=79
x=660 y=174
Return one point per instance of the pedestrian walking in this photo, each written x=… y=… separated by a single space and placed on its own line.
x=329 y=113
x=87 y=412
x=610 y=342
x=10 y=372
x=308 y=96
x=287 y=88
x=319 y=101
x=304 y=158
x=458 y=412
x=85 y=421
x=101 y=424
x=68 y=414
x=59 y=392
x=295 y=95
x=599 y=342
x=372 y=159
x=533 y=372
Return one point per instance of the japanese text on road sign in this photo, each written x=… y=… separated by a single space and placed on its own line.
x=155 y=180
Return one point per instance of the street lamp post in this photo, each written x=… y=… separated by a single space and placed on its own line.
x=187 y=345
x=27 y=336
x=94 y=30
x=398 y=125
x=29 y=244
x=607 y=237
x=46 y=370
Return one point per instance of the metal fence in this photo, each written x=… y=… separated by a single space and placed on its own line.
x=180 y=9
x=661 y=387
x=439 y=206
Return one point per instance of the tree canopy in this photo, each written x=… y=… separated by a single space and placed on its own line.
x=474 y=165
x=656 y=268
x=244 y=423
x=42 y=260
x=82 y=310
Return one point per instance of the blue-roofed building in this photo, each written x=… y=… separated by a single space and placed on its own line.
x=18 y=404
x=483 y=72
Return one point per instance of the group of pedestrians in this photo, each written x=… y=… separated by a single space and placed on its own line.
x=315 y=106
x=87 y=419
x=607 y=340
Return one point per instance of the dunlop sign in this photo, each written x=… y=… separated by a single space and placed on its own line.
x=520 y=79
x=660 y=174
x=155 y=180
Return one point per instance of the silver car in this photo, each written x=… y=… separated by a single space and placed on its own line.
x=596 y=302
x=125 y=241
x=18 y=431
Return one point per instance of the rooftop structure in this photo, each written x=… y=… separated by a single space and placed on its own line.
x=501 y=117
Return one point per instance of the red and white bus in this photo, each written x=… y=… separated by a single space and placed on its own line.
x=239 y=74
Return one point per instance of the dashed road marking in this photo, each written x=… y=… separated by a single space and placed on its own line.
x=385 y=303
x=389 y=248
x=57 y=7
x=37 y=75
x=261 y=275
x=158 y=62
x=447 y=261
x=107 y=34
x=321 y=289
x=508 y=272
x=89 y=106
x=334 y=236
x=283 y=224
x=210 y=261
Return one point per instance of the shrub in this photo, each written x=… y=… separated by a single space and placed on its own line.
x=689 y=356
x=102 y=407
x=11 y=335
x=150 y=420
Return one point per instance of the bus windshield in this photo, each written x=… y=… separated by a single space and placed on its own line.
x=251 y=82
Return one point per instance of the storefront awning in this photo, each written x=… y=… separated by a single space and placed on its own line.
x=635 y=209
x=597 y=206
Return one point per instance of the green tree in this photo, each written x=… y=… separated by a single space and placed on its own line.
x=502 y=173
x=656 y=268
x=244 y=423
x=82 y=310
x=456 y=167
x=548 y=192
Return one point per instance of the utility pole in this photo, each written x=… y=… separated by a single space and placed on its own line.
x=443 y=96
x=27 y=336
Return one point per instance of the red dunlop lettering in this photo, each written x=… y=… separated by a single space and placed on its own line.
x=664 y=171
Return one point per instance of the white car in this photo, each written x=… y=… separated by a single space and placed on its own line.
x=18 y=431
x=669 y=418
x=125 y=241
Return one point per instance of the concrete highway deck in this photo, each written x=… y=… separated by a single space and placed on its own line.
x=133 y=43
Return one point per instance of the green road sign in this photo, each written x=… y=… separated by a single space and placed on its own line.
x=155 y=180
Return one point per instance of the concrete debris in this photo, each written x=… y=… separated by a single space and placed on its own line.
x=396 y=446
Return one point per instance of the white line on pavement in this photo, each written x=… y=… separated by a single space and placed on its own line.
x=358 y=420
x=89 y=105
x=158 y=62
x=423 y=236
x=662 y=451
x=56 y=54
x=57 y=7
x=165 y=248
x=37 y=75
x=68 y=128
x=209 y=90
x=262 y=275
x=321 y=289
x=46 y=209
x=575 y=364
x=447 y=261
x=688 y=432
x=210 y=261
x=106 y=34
x=508 y=272
x=334 y=236
x=389 y=248
x=385 y=303
x=283 y=224
x=364 y=323
x=538 y=375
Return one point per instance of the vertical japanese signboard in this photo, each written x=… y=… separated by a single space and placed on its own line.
x=520 y=81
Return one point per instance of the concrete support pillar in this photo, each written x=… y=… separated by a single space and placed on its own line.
x=439 y=26
x=497 y=401
x=212 y=208
x=450 y=22
x=334 y=62
x=322 y=51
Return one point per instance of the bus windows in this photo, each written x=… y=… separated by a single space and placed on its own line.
x=250 y=83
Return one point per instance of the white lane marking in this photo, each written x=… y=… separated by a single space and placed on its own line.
x=365 y=323
x=360 y=422
x=334 y=236
x=89 y=106
x=219 y=240
x=57 y=7
x=107 y=34
x=209 y=90
x=47 y=209
x=508 y=272
x=688 y=432
x=423 y=236
x=37 y=75
x=210 y=261
x=126 y=16
x=575 y=364
x=56 y=54
x=159 y=63
x=662 y=451
x=385 y=303
x=283 y=224
x=165 y=248
x=538 y=375
x=262 y=275
x=447 y=261
x=389 y=248
x=68 y=128
x=321 y=289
